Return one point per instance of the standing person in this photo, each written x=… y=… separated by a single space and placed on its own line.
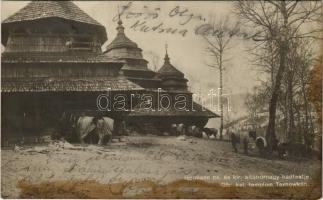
x=245 y=145
x=234 y=141
x=244 y=135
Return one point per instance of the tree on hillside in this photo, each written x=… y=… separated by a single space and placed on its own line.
x=315 y=95
x=219 y=44
x=255 y=104
x=278 y=23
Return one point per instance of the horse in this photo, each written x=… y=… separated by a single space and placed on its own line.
x=88 y=127
x=280 y=148
x=194 y=131
x=177 y=129
x=210 y=131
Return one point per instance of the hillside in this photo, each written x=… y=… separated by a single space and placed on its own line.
x=156 y=159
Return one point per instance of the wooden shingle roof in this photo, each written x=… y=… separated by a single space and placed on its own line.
x=95 y=84
x=40 y=57
x=67 y=10
x=121 y=40
x=44 y=9
x=169 y=70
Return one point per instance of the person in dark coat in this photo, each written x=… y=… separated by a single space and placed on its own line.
x=245 y=145
x=234 y=141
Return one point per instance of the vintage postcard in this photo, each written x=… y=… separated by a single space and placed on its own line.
x=161 y=99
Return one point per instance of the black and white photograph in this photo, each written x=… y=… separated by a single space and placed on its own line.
x=161 y=99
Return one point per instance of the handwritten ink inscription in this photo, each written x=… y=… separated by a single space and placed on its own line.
x=160 y=28
x=154 y=19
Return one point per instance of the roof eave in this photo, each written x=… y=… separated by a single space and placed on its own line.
x=101 y=31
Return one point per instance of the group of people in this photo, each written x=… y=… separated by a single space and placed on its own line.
x=248 y=139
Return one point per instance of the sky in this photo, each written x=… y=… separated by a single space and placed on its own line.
x=187 y=53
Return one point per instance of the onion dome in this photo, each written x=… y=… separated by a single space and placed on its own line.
x=135 y=67
x=124 y=48
x=121 y=41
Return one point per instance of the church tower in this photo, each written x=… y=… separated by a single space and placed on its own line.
x=172 y=78
x=135 y=67
x=53 y=64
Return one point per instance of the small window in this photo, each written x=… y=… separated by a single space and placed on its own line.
x=85 y=42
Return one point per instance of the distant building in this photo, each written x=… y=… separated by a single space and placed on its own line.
x=53 y=66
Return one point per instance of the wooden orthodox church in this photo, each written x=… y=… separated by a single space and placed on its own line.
x=167 y=86
x=53 y=64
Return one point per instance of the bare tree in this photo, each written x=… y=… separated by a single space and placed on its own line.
x=219 y=44
x=293 y=103
x=315 y=95
x=278 y=22
x=254 y=103
x=304 y=59
x=154 y=60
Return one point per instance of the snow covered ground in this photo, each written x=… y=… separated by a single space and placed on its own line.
x=158 y=158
